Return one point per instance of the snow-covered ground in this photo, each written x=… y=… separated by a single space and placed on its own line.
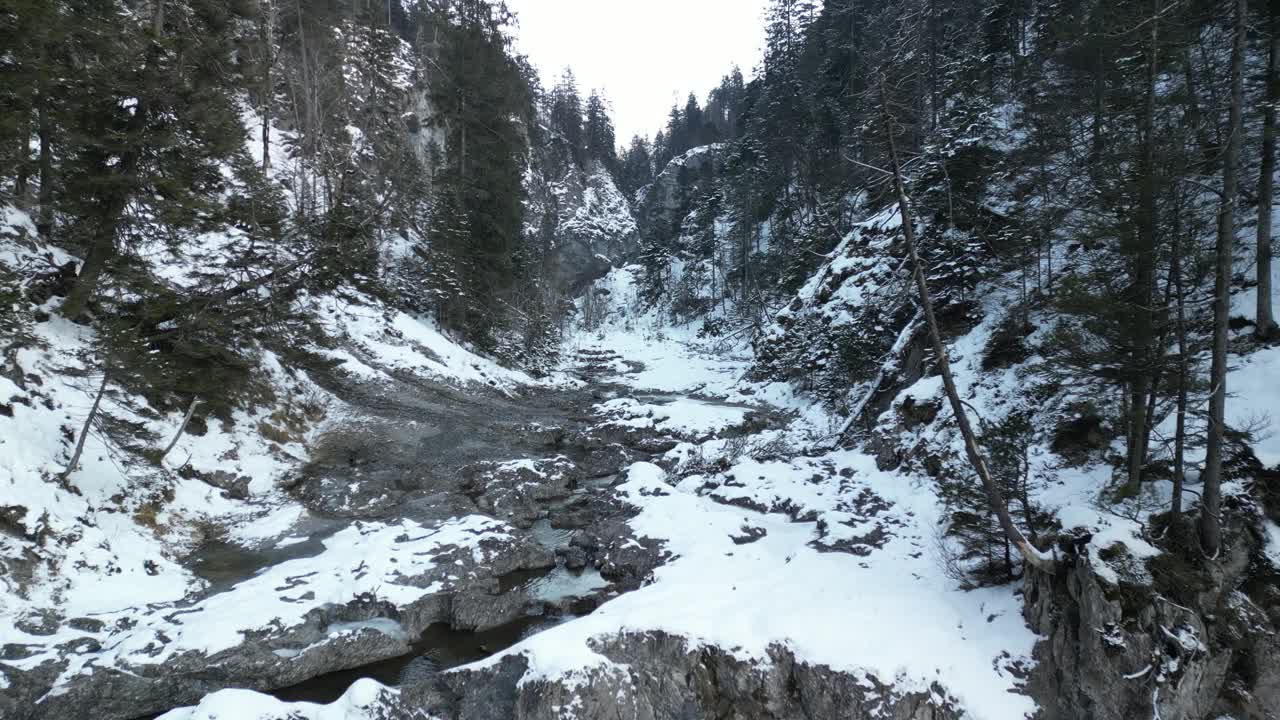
x=825 y=555
x=365 y=699
x=870 y=609
x=820 y=552
x=107 y=541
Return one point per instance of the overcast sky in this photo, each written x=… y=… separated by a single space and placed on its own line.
x=644 y=54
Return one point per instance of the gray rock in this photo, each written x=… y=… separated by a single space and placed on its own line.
x=660 y=677
x=1195 y=643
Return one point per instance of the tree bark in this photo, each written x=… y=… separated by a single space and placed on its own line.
x=1144 y=271
x=44 y=221
x=995 y=497
x=1265 y=328
x=266 y=34
x=186 y=420
x=84 y=431
x=1210 y=522
x=1180 y=423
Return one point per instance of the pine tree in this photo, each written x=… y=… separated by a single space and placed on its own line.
x=151 y=124
x=566 y=115
x=600 y=137
x=636 y=167
x=484 y=94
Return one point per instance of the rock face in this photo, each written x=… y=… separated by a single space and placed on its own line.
x=656 y=676
x=666 y=201
x=1199 y=641
x=588 y=216
x=329 y=637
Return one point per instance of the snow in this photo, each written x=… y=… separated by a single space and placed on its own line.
x=368 y=560
x=362 y=701
x=1254 y=385
x=869 y=614
x=845 y=570
x=379 y=341
x=109 y=542
x=676 y=415
x=1272 y=548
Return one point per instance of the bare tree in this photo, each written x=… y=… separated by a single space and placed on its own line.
x=995 y=497
x=84 y=431
x=186 y=420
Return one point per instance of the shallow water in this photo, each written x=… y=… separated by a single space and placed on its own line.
x=438 y=649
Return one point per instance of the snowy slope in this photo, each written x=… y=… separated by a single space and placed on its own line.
x=844 y=571
x=111 y=539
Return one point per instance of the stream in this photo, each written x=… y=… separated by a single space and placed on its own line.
x=544 y=461
x=429 y=528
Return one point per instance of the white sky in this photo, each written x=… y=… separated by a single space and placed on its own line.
x=644 y=54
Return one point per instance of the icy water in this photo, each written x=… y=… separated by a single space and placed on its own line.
x=439 y=648
x=442 y=647
x=428 y=433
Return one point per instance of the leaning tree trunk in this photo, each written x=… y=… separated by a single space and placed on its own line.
x=1266 y=321
x=995 y=497
x=84 y=431
x=101 y=250
x=1210 y=522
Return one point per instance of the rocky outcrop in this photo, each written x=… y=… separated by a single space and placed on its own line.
x=330 y=637
x=667 y=200
x=656 y=676
x=588 y=216
x=1173 y=638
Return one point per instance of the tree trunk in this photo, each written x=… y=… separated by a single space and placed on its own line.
x=1265 y=328
x=266 y=34
x=22 y=172
x=1195 y=119
x=44 y=222
x=1099 y=96
x=1180 y=426
x=1143 y=259
x=101 y=250
x=186 y=420
x=995 y=497
x=1210 y=523
x=84 y=431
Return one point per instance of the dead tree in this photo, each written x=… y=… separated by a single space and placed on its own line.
x=84 y=431
x=995 y=497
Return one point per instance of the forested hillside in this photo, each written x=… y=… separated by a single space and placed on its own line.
x=1106 y=169
x=927 y=369
x=295 y=146
x=1089 y=188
